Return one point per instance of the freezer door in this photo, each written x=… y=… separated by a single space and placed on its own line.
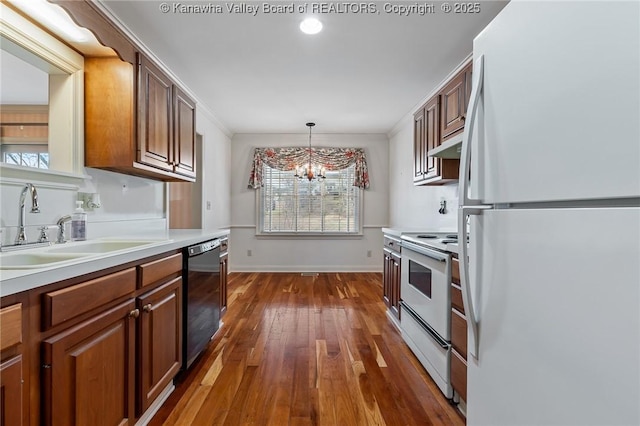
x=560 y=110
x=557 y=294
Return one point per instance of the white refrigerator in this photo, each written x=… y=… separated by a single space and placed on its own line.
x=550 y=198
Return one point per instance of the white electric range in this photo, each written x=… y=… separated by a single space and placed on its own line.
x=426 y=301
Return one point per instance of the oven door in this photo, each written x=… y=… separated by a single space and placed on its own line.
x=425 y=281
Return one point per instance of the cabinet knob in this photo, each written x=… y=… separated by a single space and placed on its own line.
x=147 y=308
x=134 y=314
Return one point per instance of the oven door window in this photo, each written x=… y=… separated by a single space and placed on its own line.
x=420 y=278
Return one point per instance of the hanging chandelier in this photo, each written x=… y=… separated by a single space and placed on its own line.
x=310 y=171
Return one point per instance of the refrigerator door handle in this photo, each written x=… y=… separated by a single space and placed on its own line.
x=469 y=206
x=465 y=154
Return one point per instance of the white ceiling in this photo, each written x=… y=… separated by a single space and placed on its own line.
x=260 y=74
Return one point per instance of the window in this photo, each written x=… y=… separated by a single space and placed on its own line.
x=26 y=155
x=292 y=205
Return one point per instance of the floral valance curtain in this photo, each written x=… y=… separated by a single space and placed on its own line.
x=330 y=158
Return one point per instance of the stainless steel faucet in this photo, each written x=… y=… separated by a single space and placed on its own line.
x=21 y=237
x=60 y=224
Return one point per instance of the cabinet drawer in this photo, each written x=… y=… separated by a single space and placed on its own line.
x=455 y=270
x=459 y=374
x=456 y=297
x=10 y=326
x=62 y=305
x=153 y=271
x=392 y=244
x=459 y=332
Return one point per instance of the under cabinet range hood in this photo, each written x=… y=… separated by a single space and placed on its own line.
x=449 y=149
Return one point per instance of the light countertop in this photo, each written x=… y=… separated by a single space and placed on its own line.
x=399 y=232
x=411 y=233
x=17 y=280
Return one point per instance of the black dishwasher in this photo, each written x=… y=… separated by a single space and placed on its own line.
x=201 y=298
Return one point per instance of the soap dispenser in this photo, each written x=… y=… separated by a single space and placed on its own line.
x=79 y=223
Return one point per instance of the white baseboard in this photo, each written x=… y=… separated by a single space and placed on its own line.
x=305 y=268
x=155 y=406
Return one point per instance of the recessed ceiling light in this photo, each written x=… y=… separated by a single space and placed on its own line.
x=311 y=26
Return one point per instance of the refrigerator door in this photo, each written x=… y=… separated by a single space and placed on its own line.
x=560 y=110
x=557 y=294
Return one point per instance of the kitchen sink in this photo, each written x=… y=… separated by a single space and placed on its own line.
x=98 y=246
x=34 y=260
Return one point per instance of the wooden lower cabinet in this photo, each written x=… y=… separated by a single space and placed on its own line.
x=395 y=285
x=459 y=374
x=458 y=334
x=391 y=276
x=11 y=404
x=14 y=359
x=386 y=278
x=224 y=271
x=88 y=370
x=160 y=340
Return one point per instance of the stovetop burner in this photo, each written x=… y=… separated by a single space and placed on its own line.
x=428 y=236
x=452 y=236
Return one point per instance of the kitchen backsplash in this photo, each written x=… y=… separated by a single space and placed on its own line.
x=127 y=203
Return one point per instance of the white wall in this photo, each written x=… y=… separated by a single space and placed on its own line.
x=216 y=172
x=307 y=254
x=416 y=207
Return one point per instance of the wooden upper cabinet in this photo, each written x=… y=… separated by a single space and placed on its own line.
x=131 y=112
x=468 y=83
x=155 y=124
x=419 y=153
x=184 y=110
x=432 y=136
x=453 y=106
x=132 y=107
x=430 y=170
x=442 y=117
x=426 y=134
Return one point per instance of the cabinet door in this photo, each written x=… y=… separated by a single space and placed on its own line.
x=11 y=391
x=160 y=340
x=184 y=114
x=88 y=370
x=419 y=146
x=386 y=279
x=468 y=82
x=395 y=285
x=453 y=106
x=432 y=136
x=224 y=270
x=459 y=374
x=155 y=123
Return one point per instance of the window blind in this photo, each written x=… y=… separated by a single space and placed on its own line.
x=292 y=205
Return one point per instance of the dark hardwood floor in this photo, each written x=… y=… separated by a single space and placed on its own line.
x=300 y=350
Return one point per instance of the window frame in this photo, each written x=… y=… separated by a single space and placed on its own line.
x=307 y=234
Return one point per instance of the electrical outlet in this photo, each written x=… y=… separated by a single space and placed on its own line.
x=368 y=253
x=249 y=253
x=208 y=205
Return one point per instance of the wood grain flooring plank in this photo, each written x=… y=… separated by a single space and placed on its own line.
x=306 y=350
